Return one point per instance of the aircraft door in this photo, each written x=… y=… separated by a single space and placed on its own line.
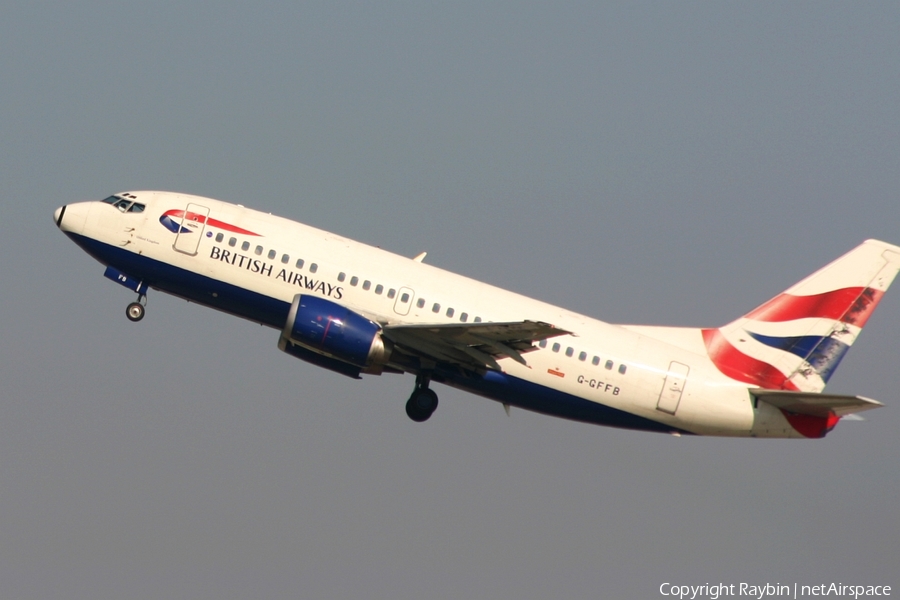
x=190 y=230
x=673 y=387
x=404 y=301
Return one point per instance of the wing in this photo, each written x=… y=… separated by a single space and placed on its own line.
x=471 y=345
x=817 y=405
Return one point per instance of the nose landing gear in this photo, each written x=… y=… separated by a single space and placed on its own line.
x=423 y=401
x=135 y=310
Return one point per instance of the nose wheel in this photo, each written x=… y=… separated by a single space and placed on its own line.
x=135 y=310
x=423 y=401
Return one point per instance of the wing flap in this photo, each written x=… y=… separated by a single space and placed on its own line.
x=817 y=405
x=473 y=345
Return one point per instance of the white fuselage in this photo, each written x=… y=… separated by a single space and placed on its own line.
x=629 y=369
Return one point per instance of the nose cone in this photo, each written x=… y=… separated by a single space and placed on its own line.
x=71 y=218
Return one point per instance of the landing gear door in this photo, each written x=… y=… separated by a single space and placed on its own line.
x=673 y=387
x=190 y=230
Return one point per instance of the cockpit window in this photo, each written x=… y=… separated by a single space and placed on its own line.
x=124 y=204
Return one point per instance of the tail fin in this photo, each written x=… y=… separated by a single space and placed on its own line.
x=796 y=340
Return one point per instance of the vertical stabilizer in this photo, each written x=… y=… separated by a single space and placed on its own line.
x=796 y=340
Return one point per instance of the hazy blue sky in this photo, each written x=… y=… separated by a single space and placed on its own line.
x=667 y=163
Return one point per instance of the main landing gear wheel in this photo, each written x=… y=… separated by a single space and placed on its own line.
x=135 y=311
x=421 y=404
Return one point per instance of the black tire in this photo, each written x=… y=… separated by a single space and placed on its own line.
x=135 y=312
x=421 y=405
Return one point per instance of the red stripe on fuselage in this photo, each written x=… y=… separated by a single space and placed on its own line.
x=848 y=305
x=189 y=216
x=737 y=365
x=809 y=425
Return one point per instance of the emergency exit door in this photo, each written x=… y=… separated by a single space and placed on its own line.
x=404 y=300
x=190 y=230
x=673 y=387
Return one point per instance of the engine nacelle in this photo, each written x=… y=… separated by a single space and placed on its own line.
x=320 y=360
x=330 y=330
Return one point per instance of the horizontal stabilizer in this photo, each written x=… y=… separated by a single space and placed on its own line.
x=853 y=417
x=817 y=405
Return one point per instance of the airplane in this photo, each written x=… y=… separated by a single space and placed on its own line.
x=359 y=310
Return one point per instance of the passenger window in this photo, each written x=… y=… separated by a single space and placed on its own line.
x=354 y=280
x=436 y=308
x=342 y=277
x=609 y=365
x=245 y=246
x=556 y=347
x=272 y=254
x=449 y=312
x=570 y=351
x=464 y=317
x=595 y=361
x=582 y=357
x=421 y=302
x=367 y=284
x=232 y=242
x=299 y=264
x=379 y=288
x=220 y=236
x=284 y=259
x=313 y=268
x=478 y=319
x=258 y=250
x=391 y=293
x=622 y=369
x=404 y=298
x=542 y=343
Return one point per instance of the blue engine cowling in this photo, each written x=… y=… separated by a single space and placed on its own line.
x=320 y=360
x=333 y=331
